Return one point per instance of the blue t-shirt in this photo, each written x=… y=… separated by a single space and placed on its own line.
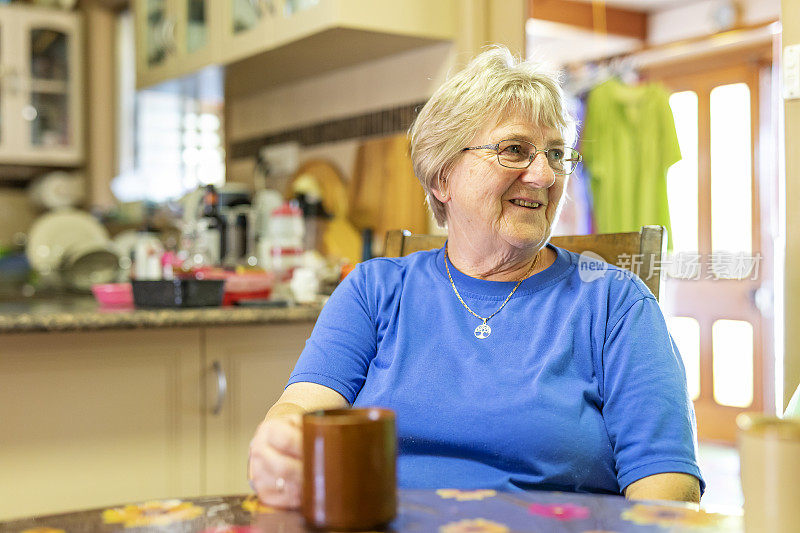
x=579 y=387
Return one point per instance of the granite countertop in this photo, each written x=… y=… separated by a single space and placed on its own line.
x=83 y=313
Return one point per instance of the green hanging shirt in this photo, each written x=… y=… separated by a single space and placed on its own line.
x=628 y=143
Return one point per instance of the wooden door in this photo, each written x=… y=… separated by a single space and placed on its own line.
x=720 y=270
x=253 y=364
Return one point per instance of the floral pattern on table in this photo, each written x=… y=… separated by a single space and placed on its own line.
x=253 y=505
x=668 y=516
x=152 y=513
x=231 y=529
x=564 y=512
x=418 y=511
x=466 y=495
x=474 y=525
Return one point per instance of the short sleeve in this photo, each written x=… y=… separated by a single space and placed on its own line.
x=343 y=342
x=670 y=148
x=646 y=407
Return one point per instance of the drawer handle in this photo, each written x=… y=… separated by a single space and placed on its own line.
x=222 y=387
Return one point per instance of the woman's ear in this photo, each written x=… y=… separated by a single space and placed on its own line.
x=440 y=191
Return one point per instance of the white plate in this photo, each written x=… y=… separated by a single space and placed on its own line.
x=57 y=189
x=53 y=233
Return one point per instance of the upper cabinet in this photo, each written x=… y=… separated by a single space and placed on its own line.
x=174 y=37
x=276 y=41
x=40 y=87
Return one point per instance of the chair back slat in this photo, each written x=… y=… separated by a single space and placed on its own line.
x=641 y=252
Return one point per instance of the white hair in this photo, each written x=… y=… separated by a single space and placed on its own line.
x=493 y=86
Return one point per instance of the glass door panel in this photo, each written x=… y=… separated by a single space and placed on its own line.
x=197 y=20
x=49 y=55
x=733 y=362
x=295 y=6
x=158 y=32
x=731 y=171
x=247 y=14
x=48 y=110
x=48 y=114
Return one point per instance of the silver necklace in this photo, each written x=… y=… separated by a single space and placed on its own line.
x=483 y=330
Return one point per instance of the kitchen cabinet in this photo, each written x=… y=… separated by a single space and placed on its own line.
x=284 y=40
x=41 y=86
x=100 y=418
x=247 y=25
x=92 y=419
x=174 y=37
x=256 y=362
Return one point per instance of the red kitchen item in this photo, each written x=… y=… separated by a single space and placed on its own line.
x=247 y=286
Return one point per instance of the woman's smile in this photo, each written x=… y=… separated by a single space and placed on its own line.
x=528 y=205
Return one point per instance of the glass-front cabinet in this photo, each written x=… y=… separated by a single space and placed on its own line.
x=246 y=24
x=40 y=87
x=285 y=39
x=174 y=37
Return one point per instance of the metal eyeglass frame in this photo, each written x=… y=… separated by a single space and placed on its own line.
x=536 y=151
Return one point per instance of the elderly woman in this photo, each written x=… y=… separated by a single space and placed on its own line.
x=505 y=369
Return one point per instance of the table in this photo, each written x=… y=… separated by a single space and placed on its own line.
x=444 y=510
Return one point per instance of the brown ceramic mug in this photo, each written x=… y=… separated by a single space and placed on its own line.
x=349 y=468
x=770 y=466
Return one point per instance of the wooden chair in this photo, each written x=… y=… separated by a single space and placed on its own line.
x=641 y=252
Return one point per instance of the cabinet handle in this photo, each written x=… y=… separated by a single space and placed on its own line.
x=222 y=387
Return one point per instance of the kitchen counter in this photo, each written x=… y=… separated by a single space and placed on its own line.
x=83 y=313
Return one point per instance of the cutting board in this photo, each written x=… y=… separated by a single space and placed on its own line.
x=384 y=193
x=339 y=239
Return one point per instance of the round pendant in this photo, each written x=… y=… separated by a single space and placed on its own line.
x=483 y=331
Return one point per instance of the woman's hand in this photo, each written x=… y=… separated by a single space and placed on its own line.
x=275 y=468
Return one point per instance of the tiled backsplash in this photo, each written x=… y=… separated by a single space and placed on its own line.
x=384 y=122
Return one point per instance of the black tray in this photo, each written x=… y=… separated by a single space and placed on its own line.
x=178 y=293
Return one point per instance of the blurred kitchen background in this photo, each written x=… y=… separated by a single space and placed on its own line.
x=262 y=142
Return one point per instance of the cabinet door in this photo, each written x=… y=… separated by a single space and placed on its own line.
x=10 y=85
x=156 y=39
x=248 y=26
x=198 y=30
x=96 y=419
x=256 y=360
x=52 y=88
x=41 y=87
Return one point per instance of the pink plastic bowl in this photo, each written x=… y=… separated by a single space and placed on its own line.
x=236 y=283
x=113 y=294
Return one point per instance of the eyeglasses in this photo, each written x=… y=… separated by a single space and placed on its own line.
x=520 y=154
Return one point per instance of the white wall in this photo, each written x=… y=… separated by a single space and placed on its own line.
x=697 y=19
x=400 y=79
